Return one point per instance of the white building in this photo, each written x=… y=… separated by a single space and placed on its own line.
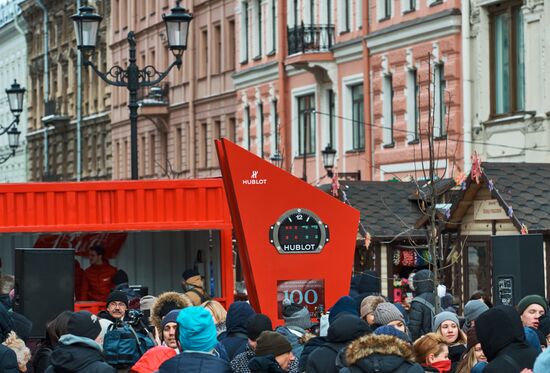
x=13 y=65
x=509 y=63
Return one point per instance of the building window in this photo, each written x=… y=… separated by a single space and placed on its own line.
x=357 y=105
x=387 y=93
x=311 y=12
x=230 y=50
x=259 y=28
x=306 y=124
x=260 y=134
x=273 y=25
x=507 y=59
x=384 y=8
x=217 y=58
x=295 y=10
x=346 y=15
x=439 y=101
x=331 y=118
x=203 y=145
x=408 y=5
x=413 y=114
x=178 y=144
x=244 y=32
x=246 y=128
x=152 y=155
x=275 y=125
x=203 y=65
x=217 y=134
x=232 y=130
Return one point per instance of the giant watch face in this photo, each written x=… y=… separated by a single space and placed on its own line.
x=299 y=231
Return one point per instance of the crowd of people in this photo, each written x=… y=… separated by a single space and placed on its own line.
x=362 y=332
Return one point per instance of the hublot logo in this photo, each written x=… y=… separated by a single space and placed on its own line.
x=254 y=179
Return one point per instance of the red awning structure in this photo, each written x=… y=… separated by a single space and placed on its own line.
x=109 y=209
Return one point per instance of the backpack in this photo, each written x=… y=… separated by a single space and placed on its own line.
x=123 y=347
x=427 y=304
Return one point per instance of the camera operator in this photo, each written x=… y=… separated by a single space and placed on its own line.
x=117 y=305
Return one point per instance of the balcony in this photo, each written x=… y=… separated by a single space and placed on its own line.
x=310 y=38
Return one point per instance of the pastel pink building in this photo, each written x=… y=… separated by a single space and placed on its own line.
x=314 y=73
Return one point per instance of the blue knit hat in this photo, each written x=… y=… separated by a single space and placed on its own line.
x=171 y=316
x=344 y=304
x=441 y=317
x=197 y=331
x=542 y=364
x=390 y=330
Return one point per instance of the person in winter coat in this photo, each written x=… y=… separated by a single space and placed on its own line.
x=432 y=352
x=474 y=353
x=343 y=330
x=530 y=309
x=121 y=283
x=297 y=325
x=98 y=277
x=368 y=306
x=80 y=350
x=422 y=305
x=273 y=354
x=165 y=303
x=364 y=285
x=197 y=338
x=194 y=288
x=388 y=314
x=54 y=330
x=152 y=359
x=472 y=310
x=500 y=332
x=8 y=359
x=235 y=338
x=218 y=313
x=380 y=353
x=447 y=326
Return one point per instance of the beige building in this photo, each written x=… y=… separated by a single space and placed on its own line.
x=179 y=119
x=53 y=109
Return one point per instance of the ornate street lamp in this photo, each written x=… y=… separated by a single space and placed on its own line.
x=329 y=155
x=277 y=159
x=86 y=24
x=15 y=93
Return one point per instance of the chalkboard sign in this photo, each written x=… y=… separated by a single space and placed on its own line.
x=505 y=286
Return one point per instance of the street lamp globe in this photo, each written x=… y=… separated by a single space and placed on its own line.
x=329 y=155
x=86 y=24
x=277 y=159
x=13 y=138
x=15 y=98
x=177 y=29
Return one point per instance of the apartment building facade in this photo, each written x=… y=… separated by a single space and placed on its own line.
x=13 y=66
x=178 y=120
x=508 y=64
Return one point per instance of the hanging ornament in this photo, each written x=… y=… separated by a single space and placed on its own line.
x=460 y=178
x=510 y=211
x=367 y=240
x=491 y=185
x=524 y=229
x=335 y=185
x=476 y=168
x=396 y=257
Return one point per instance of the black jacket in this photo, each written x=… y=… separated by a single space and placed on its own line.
x=382 y=354
x=310 y=346
x=264 y=364
x=235 y=338
x=195 y=362
x=500 y=332
x=8 y=360
x=78 y=355
x=344 y=329
x=420 y=316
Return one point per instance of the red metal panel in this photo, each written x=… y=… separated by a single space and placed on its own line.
x=114 y=206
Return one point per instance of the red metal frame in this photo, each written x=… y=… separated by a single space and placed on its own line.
x=108 y=206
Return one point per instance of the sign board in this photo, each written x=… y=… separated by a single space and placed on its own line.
x=505 y=286
x=293 y=238
x=489 y=209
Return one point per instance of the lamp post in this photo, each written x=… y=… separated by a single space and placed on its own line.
x=15 y=93
x=86 y=24
x=329 y=155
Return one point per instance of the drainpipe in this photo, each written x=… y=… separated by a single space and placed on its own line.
x=367 y=100
x=46 y=77
x=78 y=111
x=283 y=109
x=466 y=86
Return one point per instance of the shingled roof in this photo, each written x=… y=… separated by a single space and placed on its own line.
x=526 y=188
x=387 y=212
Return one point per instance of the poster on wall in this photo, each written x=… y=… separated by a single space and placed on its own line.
x=306 y=293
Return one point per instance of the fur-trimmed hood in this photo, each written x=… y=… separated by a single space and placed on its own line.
x=163 y=301
x=377 y=344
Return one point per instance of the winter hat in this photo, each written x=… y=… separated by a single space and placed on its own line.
x=390 y=330
x=257 y=324
x=441 y=317
x=84 y=324
x=189 y=273
x=295 y=315
x=471 y=337
x=344 y=304
x=473 y=309
x=117 y=296
x=532 y=299
x=369 y=304
x=272 y=343
x=542 y=364
x=146 y=302
x=386 y=312
x=544 y=324
x=171 y=316
x=120 y=277
x=197 y=331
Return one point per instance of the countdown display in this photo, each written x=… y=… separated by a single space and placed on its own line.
x=299 y=231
